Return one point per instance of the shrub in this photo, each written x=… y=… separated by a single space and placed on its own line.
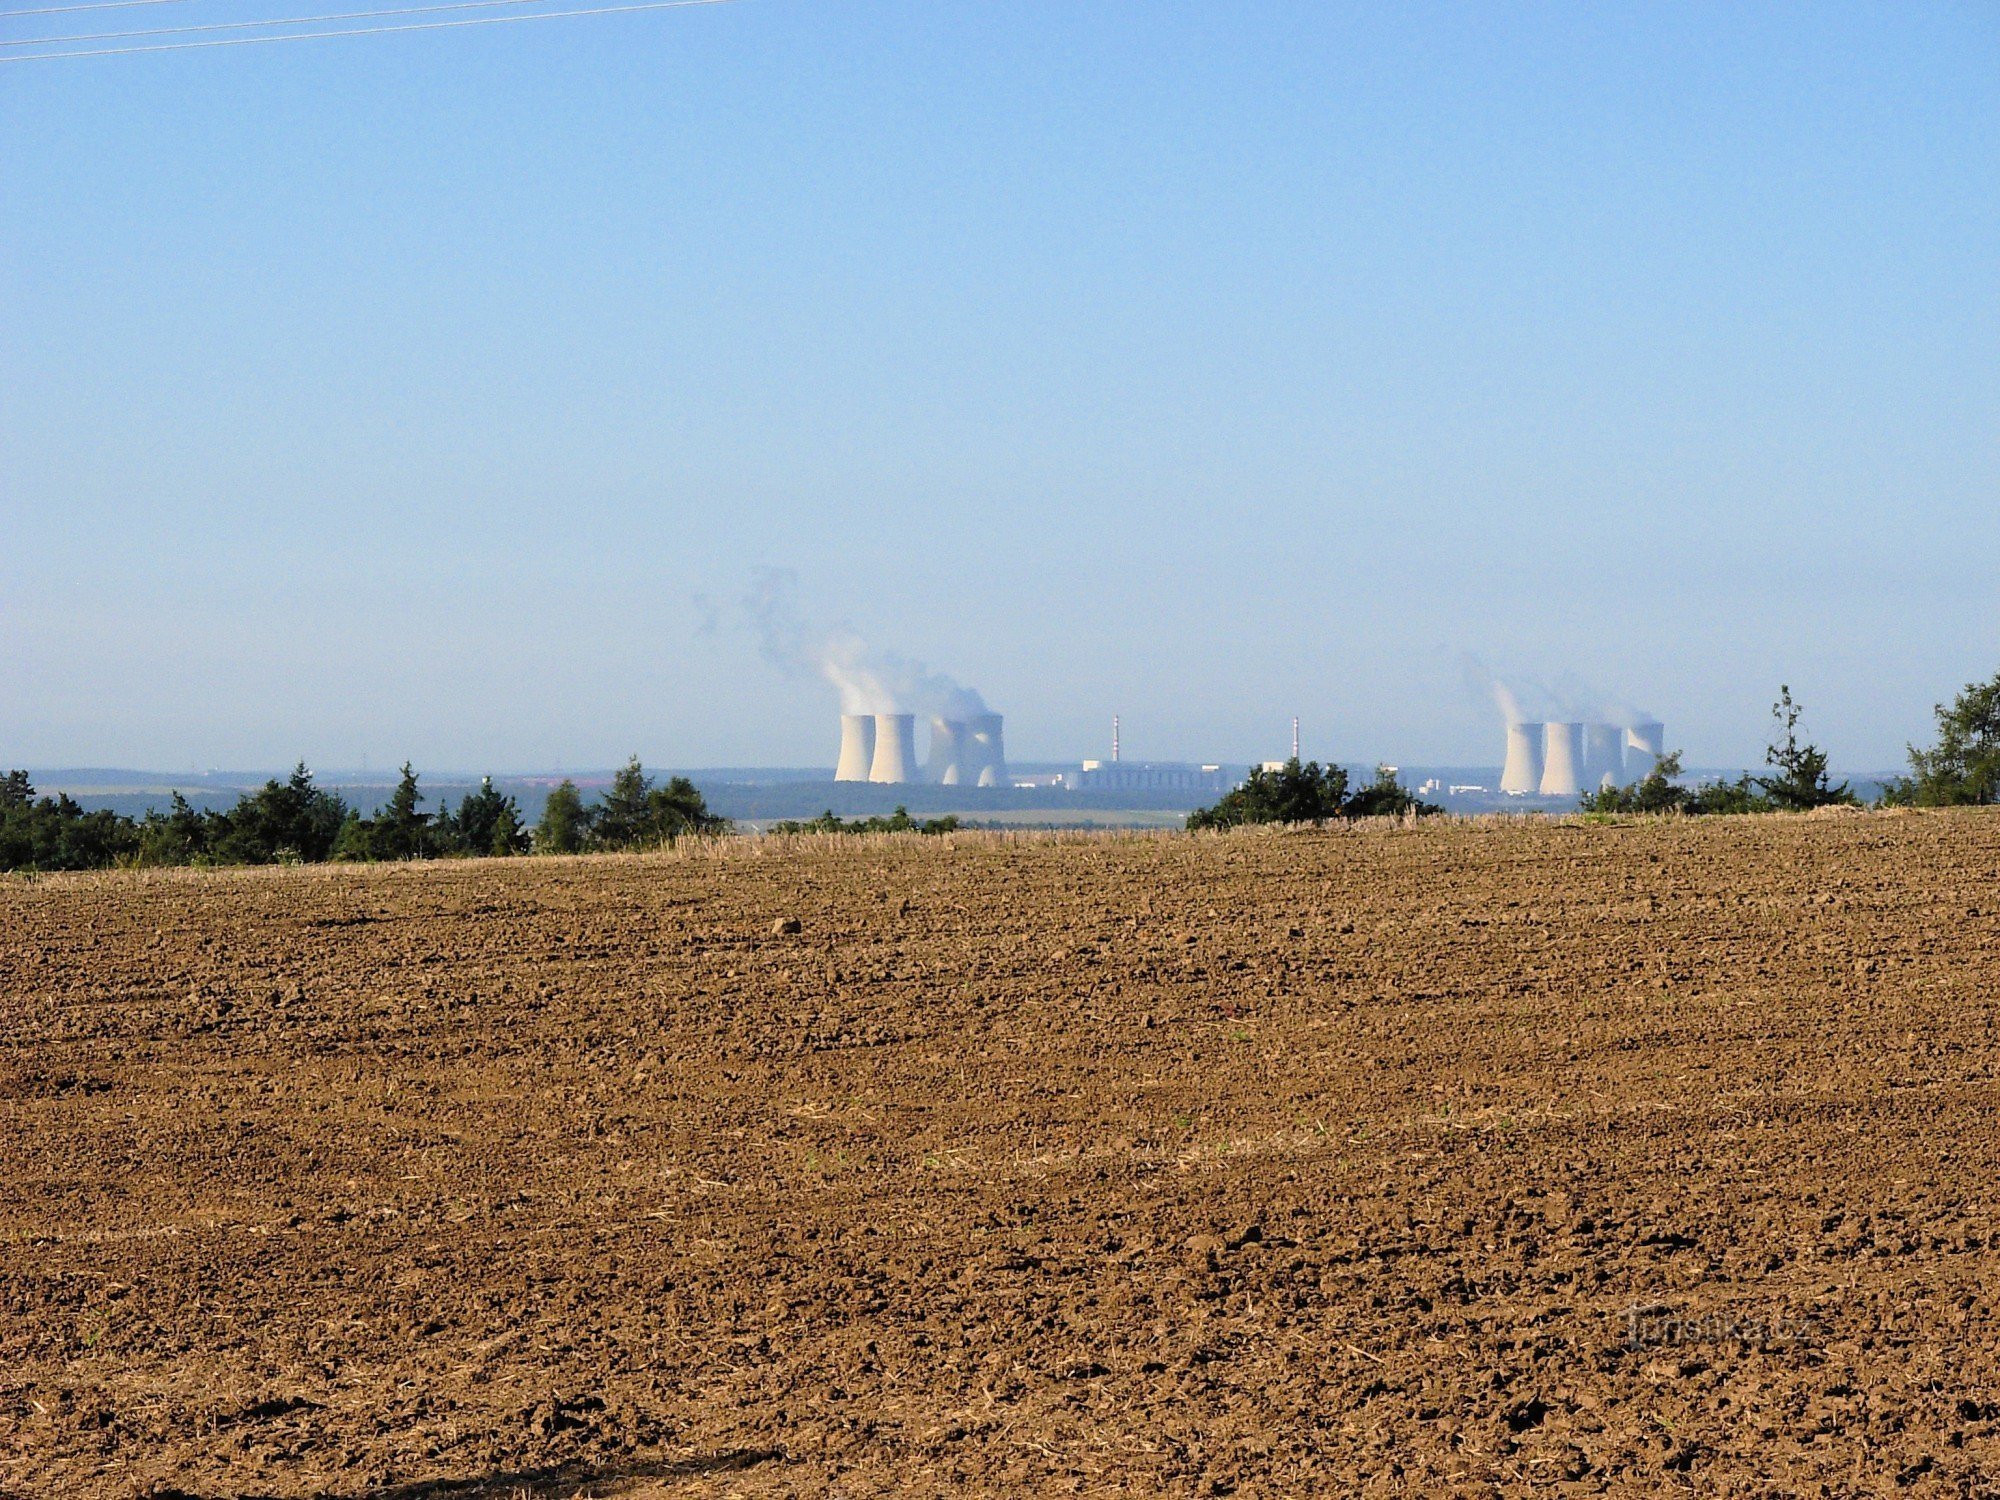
x=1307 y=793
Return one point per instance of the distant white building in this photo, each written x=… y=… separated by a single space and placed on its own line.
x=1147 y=776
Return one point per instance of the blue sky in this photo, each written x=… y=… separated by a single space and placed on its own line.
x=1203 y=363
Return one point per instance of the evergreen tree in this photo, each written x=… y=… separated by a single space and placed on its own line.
x=564 y=824
x=678 y=808
x=55 y=833
x=16 y=791
x=180 y=836
x=486 y=822
x=510 y=834
x=399 y=831
x=623 y=818
x=636 y=814
x=1801 y=783
x=290 y=819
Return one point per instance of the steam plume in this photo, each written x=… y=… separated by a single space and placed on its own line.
x=1528 y=700
x=868 y=680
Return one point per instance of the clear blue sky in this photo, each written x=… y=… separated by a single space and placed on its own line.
x=1205 y=363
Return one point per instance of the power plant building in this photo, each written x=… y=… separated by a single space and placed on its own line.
x=1645 y=746
x=1562 y=760
x=1603 y=756
x=857 y=747
x=1147 y=776
x=895 y=749
x=1522 y=774
x=883 y=748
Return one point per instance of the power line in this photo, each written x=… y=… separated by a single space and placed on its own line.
x=313 y=36
x=63 y=10
x=352 y=15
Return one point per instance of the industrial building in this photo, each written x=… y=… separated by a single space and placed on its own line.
x=1565 y=759
x=883 y=748
x=1147 y=776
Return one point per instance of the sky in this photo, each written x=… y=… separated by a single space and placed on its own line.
x=439 y=396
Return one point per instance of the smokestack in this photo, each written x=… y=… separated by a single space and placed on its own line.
x=1114 y=739
x=895 y=749
x=948 y=742
x=857 y=747
x=1295 y=736
x=1562 y=754
x=989 y=752
x=1603 y=756
x=1522 y=775
x=1645 y=743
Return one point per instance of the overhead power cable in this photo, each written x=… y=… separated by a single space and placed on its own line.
x=63 y=10
x=351 y=15
x=314 y=36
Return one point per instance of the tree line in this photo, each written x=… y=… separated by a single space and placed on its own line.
x=296 y=821
x=1961 y=770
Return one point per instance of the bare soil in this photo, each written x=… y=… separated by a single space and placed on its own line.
x=1468 y=1158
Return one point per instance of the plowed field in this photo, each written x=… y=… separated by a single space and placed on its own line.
x=1456 y=1159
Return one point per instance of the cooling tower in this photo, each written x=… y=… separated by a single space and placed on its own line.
x=988 y=752
x=949 y=739
x=857 y=747
x=895 y=748
x=1522 y=775
x=1645 y=743
x=1603 y=756
x=1562 y=757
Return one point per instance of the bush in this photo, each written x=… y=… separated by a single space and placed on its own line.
x=1660 y=791
x=1307 y=793
x=899 y=821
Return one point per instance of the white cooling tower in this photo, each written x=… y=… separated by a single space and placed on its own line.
x=1603 y=756
x=949 y=738
x=1522 y=775
x=1645 y=743
x=988 y=751
x=857 y=747
x=1562 y=757
x=895 y=749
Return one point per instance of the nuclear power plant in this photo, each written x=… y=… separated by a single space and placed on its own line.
x=895 y=759
x=1562 y=759
x=883 y=748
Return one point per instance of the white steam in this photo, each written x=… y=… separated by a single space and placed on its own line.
x=869 y=681
x=1567 y=699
